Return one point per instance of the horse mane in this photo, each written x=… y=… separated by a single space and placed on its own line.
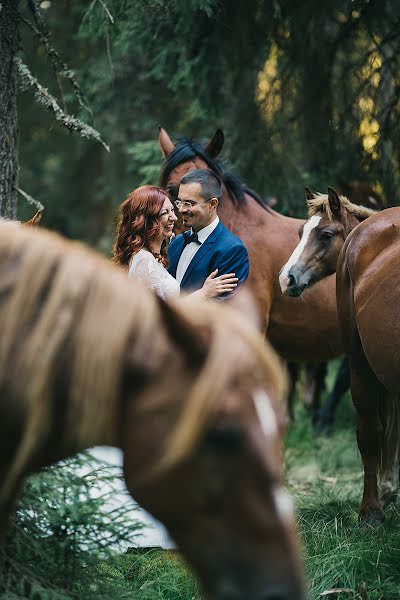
x=186 y=149
x=320 y=203
x=69 y=321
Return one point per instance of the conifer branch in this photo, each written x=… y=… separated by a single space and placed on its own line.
x=29 y=199
x=60 y=67
x=44 y=98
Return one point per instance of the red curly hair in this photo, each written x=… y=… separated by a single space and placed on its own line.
x=139 y=224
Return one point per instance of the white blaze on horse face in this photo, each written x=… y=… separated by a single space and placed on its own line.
x=297 y=252
x=265 y=413
x=283 y=504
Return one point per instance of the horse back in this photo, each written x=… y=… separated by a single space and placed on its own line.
x=369 y=294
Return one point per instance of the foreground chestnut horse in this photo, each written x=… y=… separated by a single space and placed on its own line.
x=190 y=394
x=366 y=256
x=304 y=330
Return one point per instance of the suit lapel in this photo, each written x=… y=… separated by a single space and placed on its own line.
x=174 y=255
x=202 y=251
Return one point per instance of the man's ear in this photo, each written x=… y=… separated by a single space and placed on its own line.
x=334 y=202
x=214 y=202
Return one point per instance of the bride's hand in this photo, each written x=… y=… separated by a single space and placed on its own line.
x=215 y=286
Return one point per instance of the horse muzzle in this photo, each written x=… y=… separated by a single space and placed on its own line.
x=296 y=282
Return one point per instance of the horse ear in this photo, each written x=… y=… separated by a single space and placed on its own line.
x=35 y=219
x=310 y=195
x=166 y=144
x=334 y=201
x=214 y=146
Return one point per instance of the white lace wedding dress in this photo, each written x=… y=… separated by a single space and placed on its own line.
x=146 y=268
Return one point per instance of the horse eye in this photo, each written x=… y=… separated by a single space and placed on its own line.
x=326 y=236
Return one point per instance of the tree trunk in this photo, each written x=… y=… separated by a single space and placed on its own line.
x=8 y=108
x=316 y=55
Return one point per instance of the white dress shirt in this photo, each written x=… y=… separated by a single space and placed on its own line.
x=190 y=249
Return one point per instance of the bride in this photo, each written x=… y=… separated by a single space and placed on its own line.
x=144 y=228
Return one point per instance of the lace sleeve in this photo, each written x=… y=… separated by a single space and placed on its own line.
x=145 y=268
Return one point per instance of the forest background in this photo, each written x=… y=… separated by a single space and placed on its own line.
x=306 y=94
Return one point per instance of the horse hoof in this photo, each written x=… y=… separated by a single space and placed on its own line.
x=371 y=517
x=388 y=494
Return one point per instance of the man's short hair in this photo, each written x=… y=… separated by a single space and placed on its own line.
x=210 y=183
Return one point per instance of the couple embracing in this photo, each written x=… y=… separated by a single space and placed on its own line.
x=206 y=260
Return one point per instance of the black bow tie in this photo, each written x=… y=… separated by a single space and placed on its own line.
x=191 y=237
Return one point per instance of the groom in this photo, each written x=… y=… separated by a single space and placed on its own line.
x=207 y=245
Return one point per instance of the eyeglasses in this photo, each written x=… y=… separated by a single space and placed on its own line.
x=189 y=203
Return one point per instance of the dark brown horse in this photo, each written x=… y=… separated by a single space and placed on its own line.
x=187 y=391
x=300 y=330
x=365 y=252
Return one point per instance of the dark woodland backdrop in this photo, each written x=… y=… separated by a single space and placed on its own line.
x=306 y=93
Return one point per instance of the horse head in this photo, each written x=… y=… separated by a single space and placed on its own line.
x=187 y=155
x=188 y=391
x=214 y=479
x=322 y=236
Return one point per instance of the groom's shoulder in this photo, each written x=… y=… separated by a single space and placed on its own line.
x=176 y=242
x=227 y=237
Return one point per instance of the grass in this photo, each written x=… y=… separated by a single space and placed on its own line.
x=324 y=476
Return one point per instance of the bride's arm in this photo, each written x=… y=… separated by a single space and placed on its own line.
x=146 y=269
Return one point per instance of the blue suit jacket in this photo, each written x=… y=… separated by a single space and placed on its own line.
x=222 y=250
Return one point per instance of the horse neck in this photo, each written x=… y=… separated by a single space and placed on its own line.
x=233 y=213
x=350 y=222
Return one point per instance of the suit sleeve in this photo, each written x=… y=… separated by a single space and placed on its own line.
x=236 y=260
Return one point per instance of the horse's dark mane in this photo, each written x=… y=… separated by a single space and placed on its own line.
x=186 y=149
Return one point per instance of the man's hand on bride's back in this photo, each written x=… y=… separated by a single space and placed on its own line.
x=215 y=286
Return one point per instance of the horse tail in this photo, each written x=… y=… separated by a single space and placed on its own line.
x=389 y=415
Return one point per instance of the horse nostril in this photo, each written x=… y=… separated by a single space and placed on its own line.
x=290 y=280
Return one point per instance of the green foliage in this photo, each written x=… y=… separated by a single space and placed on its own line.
x=294 y=113
x=156 y=575
x=324 y=475
x=66 y=534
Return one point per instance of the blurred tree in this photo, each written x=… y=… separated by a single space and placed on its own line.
x=8 y=108
x=306 y=94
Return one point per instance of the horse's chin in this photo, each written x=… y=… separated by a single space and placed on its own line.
x=295 y=291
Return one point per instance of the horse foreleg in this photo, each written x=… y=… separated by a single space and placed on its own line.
x=314 y=385
x=324 y=418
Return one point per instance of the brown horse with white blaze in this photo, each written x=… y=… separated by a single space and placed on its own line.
x=304 y=330
x=364 y=249
x=186 y=390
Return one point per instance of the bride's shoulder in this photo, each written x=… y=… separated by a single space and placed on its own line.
x=142 y=259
